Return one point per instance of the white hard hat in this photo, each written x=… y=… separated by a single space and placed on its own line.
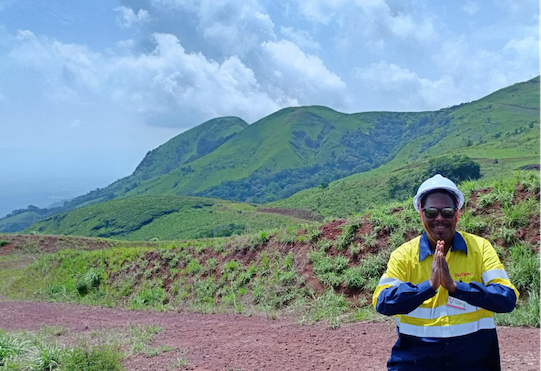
x=438 y=182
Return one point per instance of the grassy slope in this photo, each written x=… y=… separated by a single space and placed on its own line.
x=263 y=145
x=503 y=126
x=182 y=149
x=300 y=137
x=166 y=217
x=497 y=130
x=320 y=272
x=19 y=222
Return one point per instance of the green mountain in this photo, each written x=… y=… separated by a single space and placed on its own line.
x=500 y=132
x=298 y=148
x=163 y=217
x=182 y=149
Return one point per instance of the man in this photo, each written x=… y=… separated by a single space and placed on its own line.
x=442 y=288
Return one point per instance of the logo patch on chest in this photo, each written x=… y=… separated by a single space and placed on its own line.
x=456 y=303
x=462 y=274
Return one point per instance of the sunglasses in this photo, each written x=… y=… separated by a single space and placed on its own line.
x=446 y=212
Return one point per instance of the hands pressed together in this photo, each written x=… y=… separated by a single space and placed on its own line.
x=440 y=275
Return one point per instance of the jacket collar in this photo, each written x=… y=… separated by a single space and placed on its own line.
x=424 y=246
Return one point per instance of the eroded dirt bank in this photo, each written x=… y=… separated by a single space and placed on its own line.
x=231 y=342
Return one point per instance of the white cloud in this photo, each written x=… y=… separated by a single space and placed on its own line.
x=526 y=49
x=304 y=77
x=234 y=27
x=125 y=44
x=76 y=64
x=167 y=81
x=480 y=71
x=300 y=37
x=127 y=17
x=369 y=19
x=395 y=84
x=471 y=7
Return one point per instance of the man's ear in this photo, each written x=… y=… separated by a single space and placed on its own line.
x=457 y=215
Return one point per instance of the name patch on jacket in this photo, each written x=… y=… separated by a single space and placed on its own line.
x=456 y=303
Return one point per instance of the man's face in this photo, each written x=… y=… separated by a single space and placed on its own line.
x=439 y=228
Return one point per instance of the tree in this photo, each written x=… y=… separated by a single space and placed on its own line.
x=323 y=185
x=457 y=168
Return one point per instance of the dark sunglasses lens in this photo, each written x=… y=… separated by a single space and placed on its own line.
x=431 y=212
x=448 y=212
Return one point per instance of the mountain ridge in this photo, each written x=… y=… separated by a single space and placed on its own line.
x=297 y=148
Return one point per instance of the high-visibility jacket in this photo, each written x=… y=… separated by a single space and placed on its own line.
x=427 y=317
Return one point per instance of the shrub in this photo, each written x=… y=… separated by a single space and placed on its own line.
x=457 y=168
x=329 y=306
x=325 y=245
x=46 y=357
x=92 y=277
x=384 y=219
x=262 y=237
x=330 y=279
x=370 y=239
x=523 y=268
x=354 y=250
x=348 y=234
x=3 y=243
x=515 y=216
x=353 y=277
x=55 y=289
x=525 y=314
x=529 y=179
x=486 y=199
x=10 y=347
x=86 y=358
x=372 y=268
x=149 y=297
x=210 y=266
x=193 y=267
x=471 y=223
x=504 y=192
x=81 y=287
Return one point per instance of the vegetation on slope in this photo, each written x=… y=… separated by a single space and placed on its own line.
x=327 y=272
x=353 y=194
x=20 y=219
x=297 y=148
x=184 y=148
x=166 y=217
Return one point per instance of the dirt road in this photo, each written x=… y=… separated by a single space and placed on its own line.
x=232 y=342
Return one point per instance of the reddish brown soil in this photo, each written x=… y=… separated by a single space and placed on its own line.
x=296 y=213
x=331 y=230
x=232 y=342
x=51 y=244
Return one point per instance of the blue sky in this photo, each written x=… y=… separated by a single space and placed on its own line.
x=87 y=88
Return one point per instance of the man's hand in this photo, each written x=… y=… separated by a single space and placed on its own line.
x=435 y=272
x=445 y=279
x=440 y=274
